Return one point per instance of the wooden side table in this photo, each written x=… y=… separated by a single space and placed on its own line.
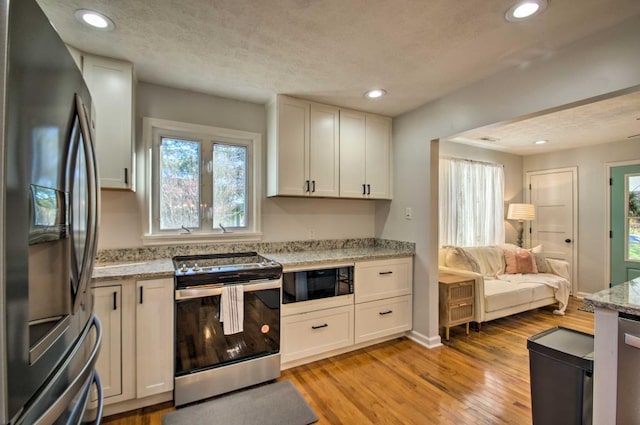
x=456 y=300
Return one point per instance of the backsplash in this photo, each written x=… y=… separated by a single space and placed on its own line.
x=108 y=256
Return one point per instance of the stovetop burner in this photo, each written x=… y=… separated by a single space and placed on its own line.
x=195 y=270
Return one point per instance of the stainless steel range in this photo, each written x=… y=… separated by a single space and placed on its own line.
x=227 y=331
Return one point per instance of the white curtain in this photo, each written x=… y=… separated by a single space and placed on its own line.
x=471 y=203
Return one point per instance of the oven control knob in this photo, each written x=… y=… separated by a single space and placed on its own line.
x=184 y=268
x=195 y=267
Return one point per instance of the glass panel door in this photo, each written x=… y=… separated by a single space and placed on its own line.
x=632 y=195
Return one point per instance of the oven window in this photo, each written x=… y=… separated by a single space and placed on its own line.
x=201 y=343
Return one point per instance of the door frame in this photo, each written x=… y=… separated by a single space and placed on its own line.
x=607 y=240
x=576 y=205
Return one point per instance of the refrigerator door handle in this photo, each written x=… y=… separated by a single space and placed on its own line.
x=93 y=204
x=99 y=409
x=36 y=416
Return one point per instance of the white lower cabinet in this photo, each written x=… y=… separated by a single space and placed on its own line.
x=381 y=307
x=154 y=337
x=306 y=334
x=136 y=355
x=108 y=308
x=376 y=319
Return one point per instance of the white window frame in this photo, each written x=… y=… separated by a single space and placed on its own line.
x=153 y=129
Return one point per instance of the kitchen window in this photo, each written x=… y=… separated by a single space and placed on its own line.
x=203 y=183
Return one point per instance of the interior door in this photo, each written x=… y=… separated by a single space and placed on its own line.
x=625 y=224
x=554 y=194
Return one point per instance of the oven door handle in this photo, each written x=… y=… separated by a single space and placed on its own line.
x=212 y=291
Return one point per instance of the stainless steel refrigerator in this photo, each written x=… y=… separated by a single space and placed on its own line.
x=49 y=336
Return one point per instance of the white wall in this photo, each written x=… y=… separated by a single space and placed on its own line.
x=592 y=202
x=282 y=218
x=512 y=174
x=598 y=65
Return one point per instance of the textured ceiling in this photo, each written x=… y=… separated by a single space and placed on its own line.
x=611 y=120
x=329 y=50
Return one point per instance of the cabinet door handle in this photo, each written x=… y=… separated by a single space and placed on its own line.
x=306 y=186
x=368 y=189
x=384 y=313
x=126 y=176
x=115 y=300
x=324 y=325
x=364 y=189
x=383 y=273
x=141 y=294
x=313 y=185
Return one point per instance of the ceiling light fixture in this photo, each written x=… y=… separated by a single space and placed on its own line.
x=525 y=9
x=94 y=20
x=540 y=142
x=375 y=93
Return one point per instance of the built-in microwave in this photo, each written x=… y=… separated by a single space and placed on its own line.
x=315 y=284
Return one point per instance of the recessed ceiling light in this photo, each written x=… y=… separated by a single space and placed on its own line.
x=95 y=20
x=540 y=142
x=375 y=93
x=525 y=9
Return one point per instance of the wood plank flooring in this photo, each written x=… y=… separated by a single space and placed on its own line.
x=482 y=378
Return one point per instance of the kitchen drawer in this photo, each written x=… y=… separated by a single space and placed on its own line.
x=375 y=280
x=316 y=332
x=376 y=319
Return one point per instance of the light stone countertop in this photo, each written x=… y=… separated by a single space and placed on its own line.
x=135 y=271
x=164 y=268
x=624 y=298
x=312 y=258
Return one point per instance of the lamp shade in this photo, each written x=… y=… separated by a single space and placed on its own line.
x=521 y=212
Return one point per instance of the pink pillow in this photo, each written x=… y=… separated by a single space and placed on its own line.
x=520 y=261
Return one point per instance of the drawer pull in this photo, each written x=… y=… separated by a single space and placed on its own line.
x=383 y=273
x=384 y=313
x=324 y=325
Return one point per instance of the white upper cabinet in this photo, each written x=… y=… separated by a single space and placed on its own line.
x=365 y=155
x=303 y=148
x=111 y=84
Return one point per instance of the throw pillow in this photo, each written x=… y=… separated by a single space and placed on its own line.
x=520 y=261
x=541 y=260
x=458 y=258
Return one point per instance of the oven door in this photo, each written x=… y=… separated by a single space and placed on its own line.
x=200 y=340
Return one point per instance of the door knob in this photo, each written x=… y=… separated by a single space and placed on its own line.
x=567 y=240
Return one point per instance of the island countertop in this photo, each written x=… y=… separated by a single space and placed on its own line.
x=155 y=269
x=624 y=298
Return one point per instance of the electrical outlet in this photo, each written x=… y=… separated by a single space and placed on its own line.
x=408 y=213
x=312 y=233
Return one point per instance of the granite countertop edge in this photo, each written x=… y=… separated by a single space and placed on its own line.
x=623 y=298
x=164 y=268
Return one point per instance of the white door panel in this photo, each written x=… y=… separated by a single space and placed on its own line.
x=554 y=194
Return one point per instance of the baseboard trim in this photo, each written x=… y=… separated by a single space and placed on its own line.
x=425 y=341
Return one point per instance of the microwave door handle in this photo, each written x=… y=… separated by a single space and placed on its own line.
x=212 y=291
x=92 y=205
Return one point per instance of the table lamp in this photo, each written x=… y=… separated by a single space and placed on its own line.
x=521 y=212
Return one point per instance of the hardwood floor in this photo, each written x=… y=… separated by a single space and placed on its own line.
x=482 y=378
